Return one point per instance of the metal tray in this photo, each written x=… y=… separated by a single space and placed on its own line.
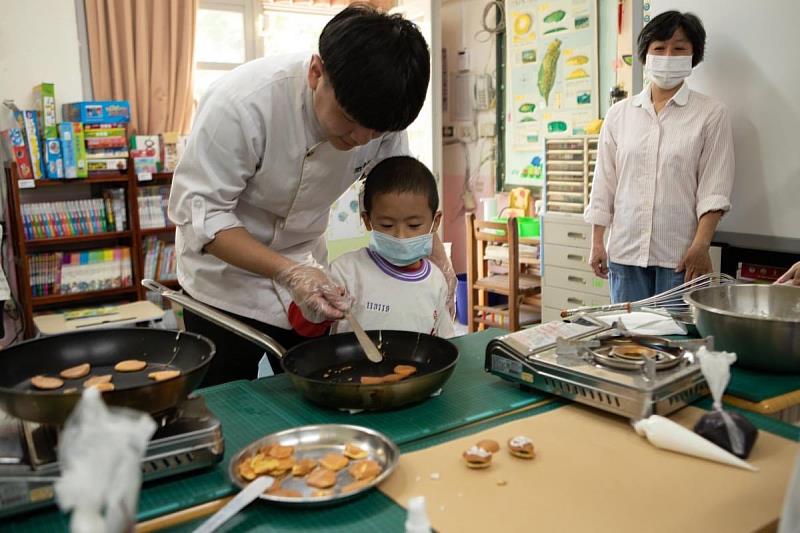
x=314 y=442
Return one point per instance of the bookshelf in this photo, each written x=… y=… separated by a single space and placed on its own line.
x=29 y=191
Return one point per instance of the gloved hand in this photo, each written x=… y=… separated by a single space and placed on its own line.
x=317 y=296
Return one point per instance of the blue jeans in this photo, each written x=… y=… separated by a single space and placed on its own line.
x=632 y=283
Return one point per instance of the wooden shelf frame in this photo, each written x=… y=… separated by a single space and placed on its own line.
x=134 y=235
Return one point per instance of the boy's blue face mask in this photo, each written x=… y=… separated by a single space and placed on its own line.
x=401 y=252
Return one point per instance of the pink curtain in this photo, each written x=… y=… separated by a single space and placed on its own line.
x=143 y=51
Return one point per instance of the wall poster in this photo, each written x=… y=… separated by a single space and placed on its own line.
x=552 y=80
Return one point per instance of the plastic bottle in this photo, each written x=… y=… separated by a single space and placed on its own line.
x=417 y=521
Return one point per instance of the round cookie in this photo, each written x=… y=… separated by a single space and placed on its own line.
x=489 y=445
x=521 y=447
x=476 y=457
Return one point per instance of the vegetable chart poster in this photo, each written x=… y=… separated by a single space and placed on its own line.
x=551 y=60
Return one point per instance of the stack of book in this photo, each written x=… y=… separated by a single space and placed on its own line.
x=83 y=271
x=159 y=259
x=105 y=132
x=153 y=206
x=47 y=220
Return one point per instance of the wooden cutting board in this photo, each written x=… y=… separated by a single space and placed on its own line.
x=593 y=473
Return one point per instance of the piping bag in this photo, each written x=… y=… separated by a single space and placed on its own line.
x=668 y=435
x=100 y=452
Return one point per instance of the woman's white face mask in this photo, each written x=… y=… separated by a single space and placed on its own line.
x=667 y=72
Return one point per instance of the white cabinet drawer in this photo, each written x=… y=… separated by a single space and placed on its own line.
x=578 y=235
x=566 y=299
x=549 y=314
x=575 y=280
x=566 y=256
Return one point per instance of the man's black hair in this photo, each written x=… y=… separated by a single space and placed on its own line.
x=663 y=26
x=378 y=64
x=397 y=175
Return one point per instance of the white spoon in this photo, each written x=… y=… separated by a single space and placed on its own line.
x=239 y=502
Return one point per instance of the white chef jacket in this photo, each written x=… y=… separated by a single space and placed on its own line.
x=257 y=158
x=388 y=297
x=656 y=175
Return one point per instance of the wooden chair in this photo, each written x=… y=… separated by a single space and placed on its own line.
x=499 y=243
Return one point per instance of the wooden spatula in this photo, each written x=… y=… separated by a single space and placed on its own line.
x=373 y=354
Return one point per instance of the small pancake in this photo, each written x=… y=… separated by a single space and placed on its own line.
x=371 y=380
x=76 y=372
x=281 y=452
x=96 y=380
x=489 y=445
x=334 y=461
x=405 y=370
x=364 y=469
x=321 y=478
x=130 y=365
x=103 y=387
x=163 y=375
x=303 y=467
x=354 y=451
x=46 y=382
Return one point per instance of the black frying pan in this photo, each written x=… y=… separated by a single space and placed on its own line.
x=102 y=349
x=327 y=370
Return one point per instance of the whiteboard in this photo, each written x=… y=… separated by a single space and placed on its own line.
x=751 y=63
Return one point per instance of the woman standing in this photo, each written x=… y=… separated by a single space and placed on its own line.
x=664 y=170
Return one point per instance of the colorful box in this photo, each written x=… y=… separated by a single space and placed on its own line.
x=99 y=112
x=54 y=163
x=80 y=154
x=107 y=164
x=169 y=150
x=148 y=143
x=68 y=149
x=16 y=144
x=94 y=133
x=34 y=145
x=44 y=97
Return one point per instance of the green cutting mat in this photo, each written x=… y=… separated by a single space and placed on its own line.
x=253 y=409
x=759 y=386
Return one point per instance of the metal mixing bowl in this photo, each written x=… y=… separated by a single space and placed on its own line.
x=761 y=323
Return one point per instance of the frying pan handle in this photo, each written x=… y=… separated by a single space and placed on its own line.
x=217 y=317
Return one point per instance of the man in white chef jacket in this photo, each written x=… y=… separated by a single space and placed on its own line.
x=274 y=143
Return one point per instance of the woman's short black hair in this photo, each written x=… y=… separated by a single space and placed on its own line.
x=663 y=26
x=397 y=175
x=378 y=64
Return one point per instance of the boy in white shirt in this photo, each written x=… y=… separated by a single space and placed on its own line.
x=394 y=284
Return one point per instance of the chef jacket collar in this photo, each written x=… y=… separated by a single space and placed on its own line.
x=313 y=127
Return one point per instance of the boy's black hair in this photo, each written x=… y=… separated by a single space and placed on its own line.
x=400 y=174
x=663 y=26
x=378 y=64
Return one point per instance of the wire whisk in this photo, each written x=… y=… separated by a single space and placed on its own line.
x=670 y=301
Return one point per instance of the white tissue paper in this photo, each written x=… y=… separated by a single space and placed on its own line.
x=646 y=323
x=100 y=453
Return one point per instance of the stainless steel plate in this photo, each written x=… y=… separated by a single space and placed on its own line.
x=314 y=442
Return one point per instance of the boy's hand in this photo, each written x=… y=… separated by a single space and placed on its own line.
x=318 y=298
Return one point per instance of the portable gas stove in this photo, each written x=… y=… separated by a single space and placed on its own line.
x=189 y=439
x=603 y=366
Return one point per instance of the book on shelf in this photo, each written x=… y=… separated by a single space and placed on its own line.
x=83 y=271
x=72 y=218
x=15 y=141
x=159 y=259
x=152 y=202
x=31 y=122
